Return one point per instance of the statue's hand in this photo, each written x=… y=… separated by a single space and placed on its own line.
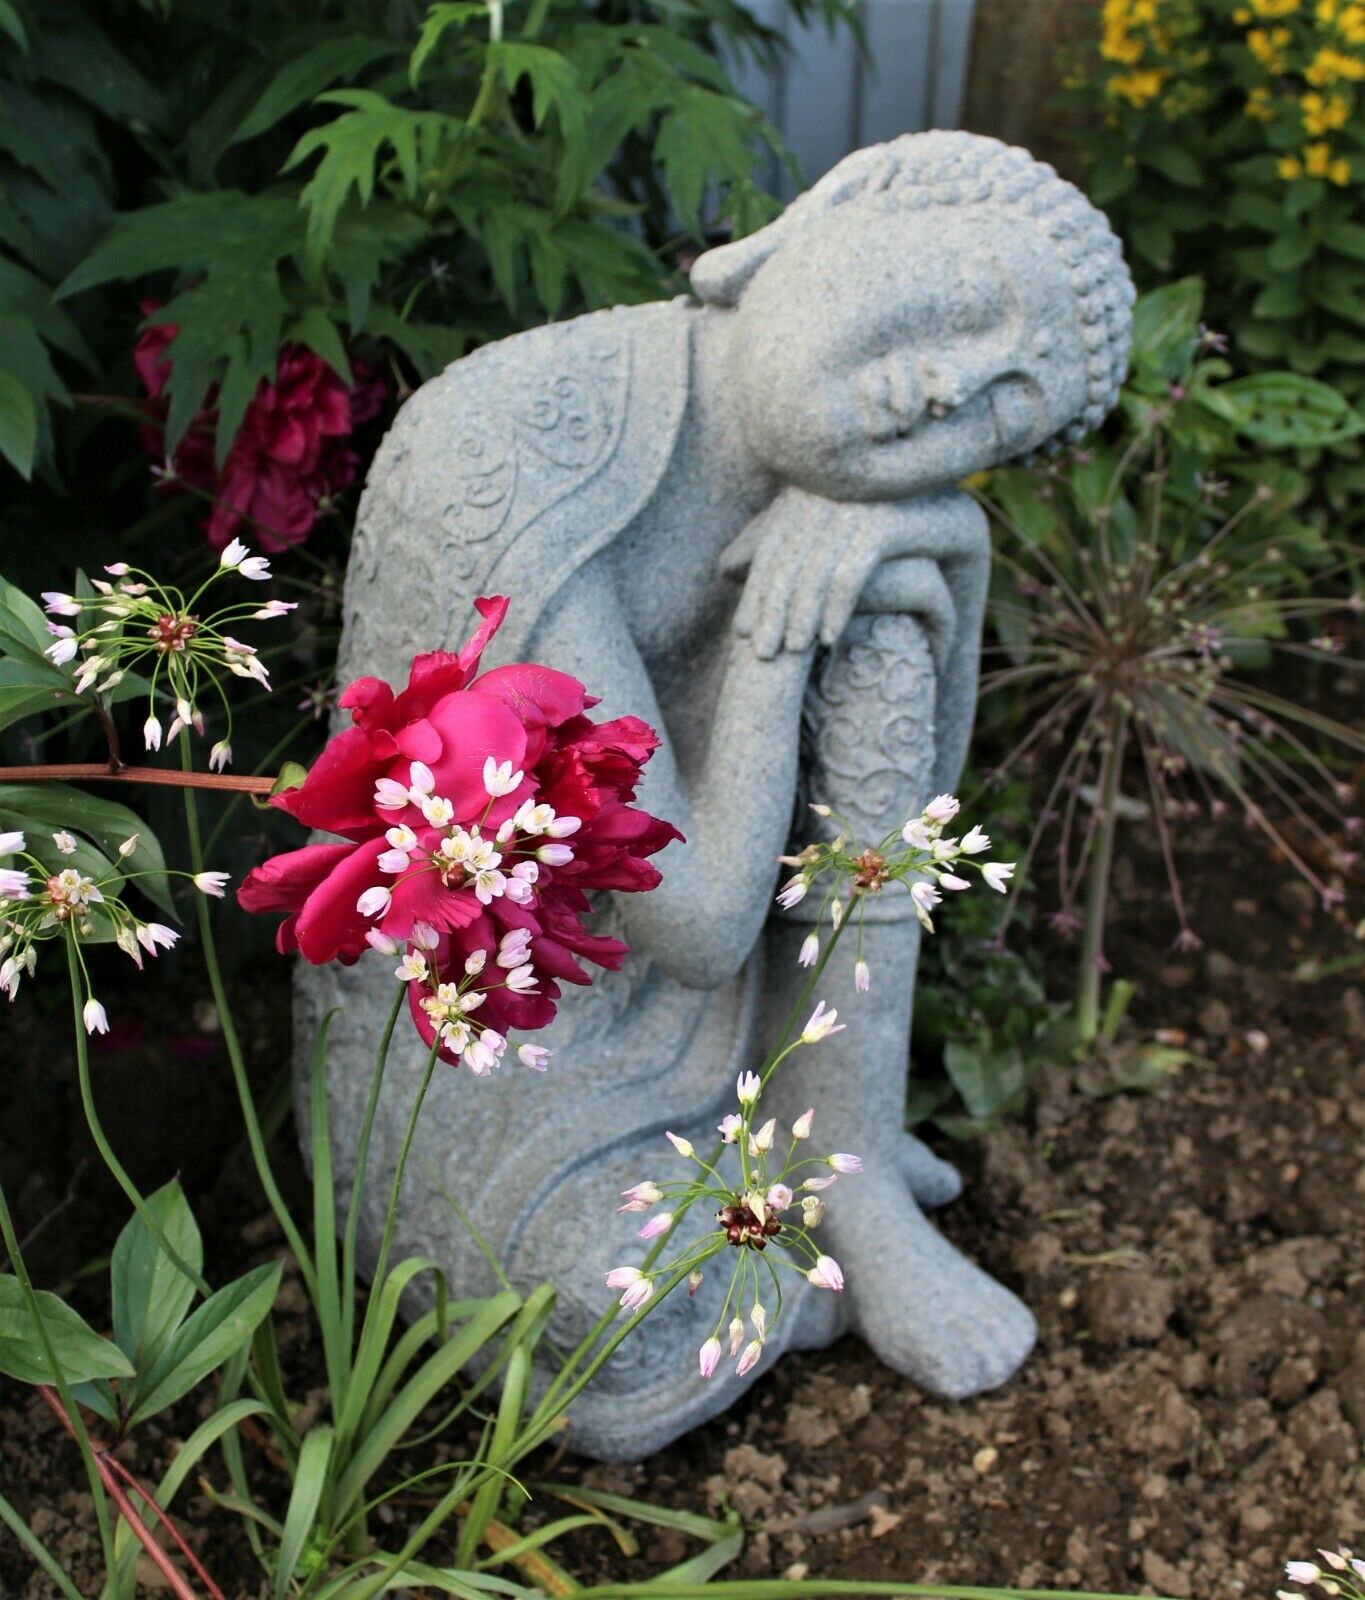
x=809 y=559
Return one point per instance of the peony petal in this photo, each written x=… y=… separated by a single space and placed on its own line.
x=538 y=695
x=338 y=793
x=472 y=727
x=285 y=881
x=329 y=923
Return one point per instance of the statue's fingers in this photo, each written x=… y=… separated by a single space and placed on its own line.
x=841 y=597
x=808 y=598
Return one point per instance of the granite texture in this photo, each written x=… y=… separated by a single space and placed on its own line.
x=736 y=517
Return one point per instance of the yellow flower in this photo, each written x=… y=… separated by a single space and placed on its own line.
x=1258 y=104
x=1289 y=167
x=1329 y=65
x=1326 y=10
x=1275 y=8
x=1139 y=87
x=1317 y=159
x=1268 y=46
x=1322 y=113
x=1352 y=24
x=1340 y=171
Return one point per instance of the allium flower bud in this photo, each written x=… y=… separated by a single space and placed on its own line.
x=759 y=1317
x=709 y=1356
x=637 y=1295
x=779 y=1197
x=736 y=1335
x=812 y=1211
x=950 y=880
x=827 y=1274
x=220 y=756
x=535 y=1056
x=943 y=808
x=845 y=1163
x=862 y=976
x=763 y=1139
x=682 y=1146
x=803 y=1124
x=747 y=1087
x=810 y=950
x=1301 y=1572
x=640 y=1196
x=693 y=1282
x=382 y=942
x=65 y=842
x=749 y=1360
x=555 y=855
x=93 y=1015
x=374 y=902
x=127 y=847
x=623 y=1277
x=13 y=841
x=657 y=1225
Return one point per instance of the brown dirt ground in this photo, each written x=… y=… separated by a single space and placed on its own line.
x=1195 y=1410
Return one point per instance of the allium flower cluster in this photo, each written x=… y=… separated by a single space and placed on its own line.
x=38 y=903
x=292 y=454
x=922 y=856
x=478 y=811
x=1344 y=1575
x=766 y=1208
x=136 y=622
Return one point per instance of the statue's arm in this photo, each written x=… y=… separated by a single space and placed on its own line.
x=732 y=801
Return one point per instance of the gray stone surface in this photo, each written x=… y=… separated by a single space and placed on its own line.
x=735 y=516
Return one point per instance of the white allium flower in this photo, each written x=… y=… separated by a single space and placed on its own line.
x=640 y=1196
x=220 y=756
x=234 y=552
x=810 y=950
x=13 y=884
x=822 y=1023
x=393 y=861
x=793 y=892
x=996 y=872
x=211 y=883
x=1301 y=1572
x=93 y=1015
x=65 y=842
x=390 y=795
x=12 y=841
x=943 y=808
x=381 y=942
x=499 y=778
x=862 y=976
x=845 y=1163
x=708 y=1356
x=535 y=1056
x=563 y=827
x=974 y=841
x=924 y=894
x=61 y=605
x=826 y=1274
x=747 y=1087
x=657 y=1225
x=374 y=902
x=437 y=810
x=412 y=968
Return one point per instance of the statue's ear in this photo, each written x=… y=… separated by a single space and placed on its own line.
x=721 y=275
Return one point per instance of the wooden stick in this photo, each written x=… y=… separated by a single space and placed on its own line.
x=101 y=772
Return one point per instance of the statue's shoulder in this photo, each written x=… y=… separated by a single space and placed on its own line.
x=507 y=431
x=520 y=461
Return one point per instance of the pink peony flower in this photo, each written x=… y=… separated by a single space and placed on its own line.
x=421 y=754
x=291 y=455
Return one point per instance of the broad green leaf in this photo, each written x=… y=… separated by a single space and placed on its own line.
x=1154 y=239
x=1166 y=329
x=150 y=1293
x=213 y=1333
x=12 y=24
x=81 y=1353
x=18 y=424
x=987 y=1079
x=1114 y=175
x=46 y=807
x=85 y=60
x=1277 y=301
x=298 y=81
x=1289 y=411
x=1348 y=238
x=1289 y=252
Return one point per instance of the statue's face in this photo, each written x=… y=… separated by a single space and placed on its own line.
x=894 y=355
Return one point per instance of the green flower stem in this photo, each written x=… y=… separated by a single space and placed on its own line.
x=550 y=1398
x=97 y=1132
x=87 y=1450
x=1097 y=883
x=255 y=1138
x=362 y=1157
x=395 y=1188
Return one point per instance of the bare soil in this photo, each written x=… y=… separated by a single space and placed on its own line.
x=1194 y=1412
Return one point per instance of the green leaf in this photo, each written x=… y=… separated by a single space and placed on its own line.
x=446 y=14
x=1172 y=162
x=1347 y=238
x=1154 y=240
x=1114 y=175
x=310 y=1478
x=702 y=138
x=150 y=1293
x=81 y=1353
x=1166 y=330
x=18 y=424
x=298 y=81
x=213 y=1333
x=1290 y=251
x=12 y=24
x=352 y=147
x=44 y=808
x=84 y=60
x=1287 y=411
x=987 y=1079
x=1279 y=301
x=1268 y=341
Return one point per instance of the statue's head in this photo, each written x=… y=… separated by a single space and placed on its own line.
x=931 y=307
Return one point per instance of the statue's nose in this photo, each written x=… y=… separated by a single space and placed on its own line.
x=948 y=384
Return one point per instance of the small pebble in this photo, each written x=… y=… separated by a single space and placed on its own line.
x=1257 y=1042
x=984 y=1460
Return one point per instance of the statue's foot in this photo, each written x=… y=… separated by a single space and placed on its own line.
x=922 y=1306
x=933 y=1182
